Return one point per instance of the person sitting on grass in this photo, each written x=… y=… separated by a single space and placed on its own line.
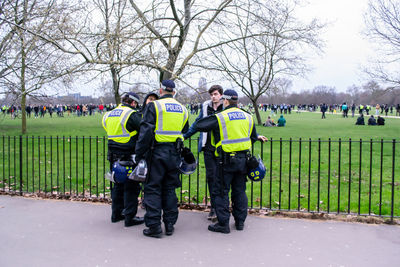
x=281 y=121
x=381 y=121
x=269 y=123
x=360 y=120
x=371 y=120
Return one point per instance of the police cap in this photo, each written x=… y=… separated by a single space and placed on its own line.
x=169 y=85
x=132 y=96
x=230 y=95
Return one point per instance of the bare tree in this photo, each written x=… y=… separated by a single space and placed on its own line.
x=383 y=29
x=268 y=47
x=177 y=31
x=29 y=62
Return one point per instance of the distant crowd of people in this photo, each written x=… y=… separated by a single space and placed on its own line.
x=39 y=111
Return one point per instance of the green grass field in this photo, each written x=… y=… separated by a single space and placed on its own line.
x=300 y=175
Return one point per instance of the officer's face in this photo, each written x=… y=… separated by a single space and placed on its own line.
x=215 y=96
x=150 y=99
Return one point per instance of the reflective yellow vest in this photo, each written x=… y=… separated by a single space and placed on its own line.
x=114 y=122
x=171 y=117
x=235 y=128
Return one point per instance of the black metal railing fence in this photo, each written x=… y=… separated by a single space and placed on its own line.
x=331 y=176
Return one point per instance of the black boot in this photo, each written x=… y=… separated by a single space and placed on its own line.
x=154 y=231
x=219 y=228
x=117 y=217
x=131 y=221
x=239 y=225
x=169 y=229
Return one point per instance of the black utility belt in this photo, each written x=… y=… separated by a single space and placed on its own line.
x=238 y=154
x=165 y=144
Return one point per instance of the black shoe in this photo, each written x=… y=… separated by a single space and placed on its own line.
x=169 y=228
x=129 y=221
x=211 y=215
x=219 y=228
x=153 y=231
x=239 y=226
x=117 y=218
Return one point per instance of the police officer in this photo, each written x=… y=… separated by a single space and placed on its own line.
x=233 y=132
x=162 y=127
x=122 y=125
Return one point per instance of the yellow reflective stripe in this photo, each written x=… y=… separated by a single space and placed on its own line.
x=104 y=120
x=121 y=135
x=234 y=141
x=168 y=132
x=223 y=124
x=250 y=122
x=160 y=115
x=123 y=121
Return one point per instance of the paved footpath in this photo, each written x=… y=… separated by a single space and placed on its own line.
x=63 y=233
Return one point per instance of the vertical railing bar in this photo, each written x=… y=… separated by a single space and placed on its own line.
x=58 y=166
x=198 y=175
x=51 y=165
x=33 y=164
x=309 y=175
x=76 y=167
x=299 y=180
x=261 y=182
x=104 y=167
x=190 y=178
x=4 y=165
x=393 y=172
x=381 y=180
x=90 y=166
x=270 y=177
x=290 y=172
x=319 y=173
x=39 y=161
x=64 y=165
x=252 y=184
x=349 y=188
x=83 y=166
x=20 y=165
x=9 y=163
x=359 y=178
x=27 y=163
x=339 y=170
x=70 y=166
x=45 y=166
x=329 y=174
x=97 y=166
x=15 y=166
x=280 y=173
x=370 y=178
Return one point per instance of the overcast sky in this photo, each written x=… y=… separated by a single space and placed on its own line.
x=345 y=52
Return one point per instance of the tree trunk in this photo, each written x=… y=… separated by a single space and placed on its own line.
x=255 y=106
x=115 y=80
x=167 y=74
x=23 y=91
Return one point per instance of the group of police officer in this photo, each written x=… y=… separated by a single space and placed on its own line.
x=155 y=134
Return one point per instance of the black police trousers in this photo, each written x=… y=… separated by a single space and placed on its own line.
x=210 y=162
x=159 y=190
x=124 y=196
x=231 y=175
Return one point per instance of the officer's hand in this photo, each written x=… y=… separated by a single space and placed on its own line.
x=262 y=138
